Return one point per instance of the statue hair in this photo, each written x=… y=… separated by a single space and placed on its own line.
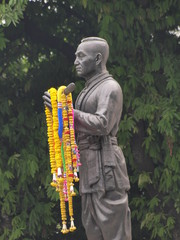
x=93 y=39
x=101 y=46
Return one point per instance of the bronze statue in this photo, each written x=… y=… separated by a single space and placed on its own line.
x=104 y=181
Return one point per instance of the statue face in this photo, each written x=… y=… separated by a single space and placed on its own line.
x=85 y=62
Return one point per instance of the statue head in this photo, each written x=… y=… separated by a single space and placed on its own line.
x=91 y=57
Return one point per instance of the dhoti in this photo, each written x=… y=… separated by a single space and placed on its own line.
x=106 y=217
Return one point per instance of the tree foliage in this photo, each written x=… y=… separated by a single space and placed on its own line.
x=37 y=44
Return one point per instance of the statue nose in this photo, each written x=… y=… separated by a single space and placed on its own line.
x=76 y=62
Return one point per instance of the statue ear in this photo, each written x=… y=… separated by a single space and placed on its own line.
x=98 y=58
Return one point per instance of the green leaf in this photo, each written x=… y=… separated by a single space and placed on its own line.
x=9 y=174
x=144 y=179
x=84 y=2
x=3 y=40
x=9 y=204
x=12 y=2
x=52 y=194
x=154 y=202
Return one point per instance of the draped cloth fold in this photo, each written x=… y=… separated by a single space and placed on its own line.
x=106 y=217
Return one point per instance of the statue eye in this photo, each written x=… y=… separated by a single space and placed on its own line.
x=81 y=55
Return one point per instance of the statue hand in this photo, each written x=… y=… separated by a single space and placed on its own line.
x=47 y=100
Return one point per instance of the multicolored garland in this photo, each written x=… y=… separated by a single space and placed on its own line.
x=63 y=151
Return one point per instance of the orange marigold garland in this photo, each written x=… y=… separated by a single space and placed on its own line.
x=64 y=155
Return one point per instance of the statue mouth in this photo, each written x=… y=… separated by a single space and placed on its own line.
x=78 y=69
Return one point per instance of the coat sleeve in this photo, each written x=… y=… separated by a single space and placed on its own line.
x=107 y=115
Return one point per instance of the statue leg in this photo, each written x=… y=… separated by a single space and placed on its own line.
x=92 y=229
x=112 y=215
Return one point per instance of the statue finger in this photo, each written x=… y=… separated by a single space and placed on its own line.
x=47 y=94
x=46 y=99
x=47 y=104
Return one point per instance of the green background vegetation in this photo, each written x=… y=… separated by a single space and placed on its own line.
x=37 y=44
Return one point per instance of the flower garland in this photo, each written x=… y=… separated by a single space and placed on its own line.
x=63 y=151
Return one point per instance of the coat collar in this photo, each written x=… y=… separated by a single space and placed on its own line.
x=97 y=78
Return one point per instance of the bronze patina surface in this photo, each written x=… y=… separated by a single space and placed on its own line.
x=104 y=181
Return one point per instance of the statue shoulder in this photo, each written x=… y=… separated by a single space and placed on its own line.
x=111 y=85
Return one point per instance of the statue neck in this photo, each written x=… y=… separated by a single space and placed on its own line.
x=99 y=70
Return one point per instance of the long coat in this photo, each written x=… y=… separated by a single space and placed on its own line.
x=97 y=117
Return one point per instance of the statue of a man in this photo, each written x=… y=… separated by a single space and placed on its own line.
x=104 y=180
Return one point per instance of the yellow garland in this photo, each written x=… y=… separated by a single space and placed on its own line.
x=50 y=134
x=63 y=173
x=57 y=142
